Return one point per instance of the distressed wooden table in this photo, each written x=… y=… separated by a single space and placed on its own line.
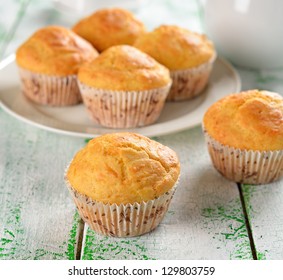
x=209 y=218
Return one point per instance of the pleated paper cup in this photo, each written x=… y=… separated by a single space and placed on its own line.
x=50 y=90
x=123 y=109
x=190 y=82
x=245 y=166
x=124 y=220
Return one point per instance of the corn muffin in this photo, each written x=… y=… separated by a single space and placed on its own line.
x=124 y=87
x=122 y=183
x=48 y=64
x=244 y=133
x=188 y=55
x=109 y=27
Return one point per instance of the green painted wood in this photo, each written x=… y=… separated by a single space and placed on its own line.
x=38 y=219
x=10 y=21
x=265 y=213
x=205 y=219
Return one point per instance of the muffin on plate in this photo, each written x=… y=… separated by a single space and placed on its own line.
x=188 y=55
x=48 y=64
x=244 y=134
x=124 y=87
x=122 y=183
x=109 y=27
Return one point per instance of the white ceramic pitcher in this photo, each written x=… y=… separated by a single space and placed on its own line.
x=248 y=32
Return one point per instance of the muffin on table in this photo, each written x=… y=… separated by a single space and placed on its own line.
x=244 y=134
x=124 y=87
x=188 y=55
x=48 y=64
x=109 y=27
x=123 y=183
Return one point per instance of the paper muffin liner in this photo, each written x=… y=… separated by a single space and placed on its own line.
x=50 y=90
x=245 y=166
x=190 y=82
x=124 y=220
x=123 y=109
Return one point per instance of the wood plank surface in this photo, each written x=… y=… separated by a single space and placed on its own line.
x=38 y=219
x=265 y=213
x=204 y=221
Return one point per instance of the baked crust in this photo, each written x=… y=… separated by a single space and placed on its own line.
x=124 y=68
x=54 y=50
x=251 y=120
x=175 y=47
x=123 y=168
x=109 y=27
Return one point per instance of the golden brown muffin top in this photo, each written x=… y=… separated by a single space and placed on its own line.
x=109 y=27
x=124 y=68
x=175 y=47
x=123 y=168
x=251 y=120
x=54 y=50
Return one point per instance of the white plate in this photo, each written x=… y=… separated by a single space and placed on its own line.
x=73 y=120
